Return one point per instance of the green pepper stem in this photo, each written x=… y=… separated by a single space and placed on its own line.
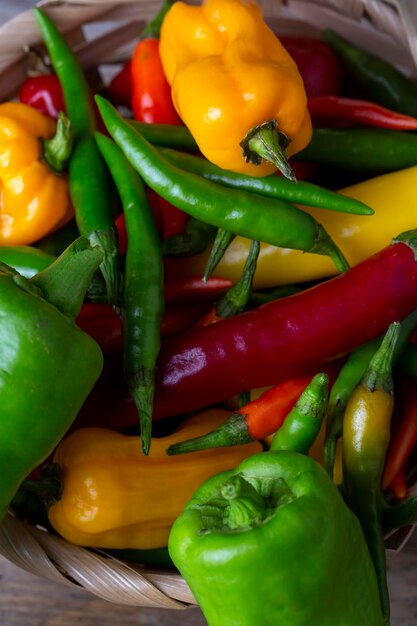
x=324 y=244
x=65 y=282
x=153 y=28
x=48 y=488
x=266 y=142
x=378 y=376
x=234 y=432
x=56 y=151
x=237 y=297
x=245 y=505
x=222 y=241
x=409 y=237
x=193 y=240
x=141 y=387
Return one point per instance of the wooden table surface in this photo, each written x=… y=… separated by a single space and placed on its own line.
x=26 y=600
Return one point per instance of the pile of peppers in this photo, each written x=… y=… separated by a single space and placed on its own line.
x=221 y=240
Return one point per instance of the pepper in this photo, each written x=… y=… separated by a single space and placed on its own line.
x=43 y=92
x=358 y=237
x=273 y=221
x=35 y=198
x=43 y=352
x=290 y=336
x=335 y=111
x=375 y=150
x=319 y=66
x=143 y=290
x=379 y=79
x=302 y=424
x=119 y=90
x=366 y=434
x=27 y=260
x=151 y=93
x=135 y=499
x=90 y=192
x=256 y=99
x=255 y=543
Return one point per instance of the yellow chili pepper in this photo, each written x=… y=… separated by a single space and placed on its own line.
x=34 y=199
x=392 y=196
x=114 y=497
x=230 y=76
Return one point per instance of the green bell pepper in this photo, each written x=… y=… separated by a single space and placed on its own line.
x=47 y=364
x=272 y=542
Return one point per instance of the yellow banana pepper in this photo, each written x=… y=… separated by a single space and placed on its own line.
x=392 y=196
x=232 y=81
x=115 y=497
x=34 y=199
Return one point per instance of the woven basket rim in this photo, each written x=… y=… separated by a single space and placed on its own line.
x=387 y=27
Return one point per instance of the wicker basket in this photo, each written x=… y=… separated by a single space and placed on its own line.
x=103 y=33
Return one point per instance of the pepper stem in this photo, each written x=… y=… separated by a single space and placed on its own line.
x=378 y=376
x=141 y=387
x=56 y=151
x=324 y=244
x=237 y=297
x=153 y=28
x=65 y=282
x=266 y=142
x=234 y=432
x=245 y=505
x=222 y=241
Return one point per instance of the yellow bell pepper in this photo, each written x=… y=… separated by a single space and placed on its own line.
x=34 y=199
x=392 y=196
x=229 y=74
x=115 y=497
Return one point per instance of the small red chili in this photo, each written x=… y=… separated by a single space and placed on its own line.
x=43 y=92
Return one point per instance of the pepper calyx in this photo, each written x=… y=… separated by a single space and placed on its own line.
x=378 y=376
x=266 y=142
x=409 y=237
x=56 y=151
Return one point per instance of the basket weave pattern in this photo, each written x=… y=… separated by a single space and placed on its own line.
x=383 y=27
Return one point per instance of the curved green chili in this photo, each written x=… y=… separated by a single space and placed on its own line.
x=87 y=174
x=375 y=150
x=143 y=296
x=366 y=434
x=302 y=424
x=272 y=186
x=243 y=213
x=376 y=77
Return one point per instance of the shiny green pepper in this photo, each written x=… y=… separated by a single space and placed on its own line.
x=47 y=364
x=272 y=542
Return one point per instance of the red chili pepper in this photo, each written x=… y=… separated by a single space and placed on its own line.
x=319 y=66
x=332 y=111
x=96 y=310
x=405 y=439
x=172 y=220
x=288 y=337
x=43 y=92
x=151 y=93
x=193 y=288
x=119 y=90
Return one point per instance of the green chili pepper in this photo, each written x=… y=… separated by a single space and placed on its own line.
x=242 y=213
x=221 y=242
x=143 y=298
x=178 y=137
x=376 y=77
x=375 y=150
x=237 y=296
x=302 y=425
x=350 y=376
x=255 y=544
x=366 y=434
x=43 y=353
x=193 y=240
x=26 y=260
x=271 y=186
x=87 y=174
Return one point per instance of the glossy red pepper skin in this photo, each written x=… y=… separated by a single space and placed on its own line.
x=43 y=92
x=287 y=337
x=332 y=111
x=151 y=93
x=318 y=65
x=119 y=90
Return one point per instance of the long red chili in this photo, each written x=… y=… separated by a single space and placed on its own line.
x=288 y=337
x=335 y=111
